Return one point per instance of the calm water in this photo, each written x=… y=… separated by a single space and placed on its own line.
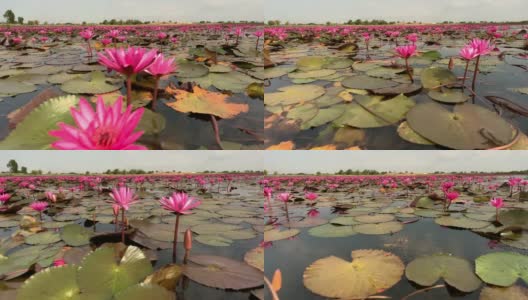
x=496 y=83
x=416 y=239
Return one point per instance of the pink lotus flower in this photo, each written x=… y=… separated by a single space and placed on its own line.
x=106 y=41
x=450 y=196
x=115 y=209
x=284 y=197
x=312 y=213
x=406 y=51
x=123 y=197
x=51 y=197
x=162 y=35
x=180 y=203
x=413 y=37
x=446 y=186
x=161 y=66
x=87 y=34
x=39 y=206
x=107 y=128
x=127 y=62
x=268 y=191
x=310 y=196
x=468 y=53
x=497 y=202
x=482 y=47
x=59 y=262
x=4 y=198
x=17 y=40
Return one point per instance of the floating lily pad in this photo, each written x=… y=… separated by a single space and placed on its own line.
x=376 y=218
x=57 y=283
x=255 y=258
x=222 y=272
x=10 y=87
x=448 y=96
x=379 y=228
x=456 y=271
x=205 y=102
x=293 y=94
x=502 y=268
x=369 y=273
x=213 y=240
x=408 y=134
x=461 y=222
x=276 y=234
x=278 y=71
x=434 y=77
x=167 y=276
x=191 y=70
x=145 y=291
x=311 y=74
x=32 y=132
x=367 y=83
x=96 y=85
x=43 y=238
x=344 y=221
x=332 y=231
x=514 y=217
x=515 y=292
x=76 y=235
x=469 y=126
x=309 y=63
x=324 y=116
x=101 y=274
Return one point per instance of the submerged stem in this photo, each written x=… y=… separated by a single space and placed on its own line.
x=123 y=225
x=175 y=238
x=475 y=76
x=155 y=97
x=465 y=72
x=129 y=90
x=409 y=70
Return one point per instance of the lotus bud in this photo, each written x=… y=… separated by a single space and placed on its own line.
x=187 y=241
x=451 y=64
x=116 y=208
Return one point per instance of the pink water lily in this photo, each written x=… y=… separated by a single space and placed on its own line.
x=312 y=213
x=180 y=204
x=39 y=206
x=4 y=197
x=498 y=203
x=406 y=52
x=310 y=196
x=160 y=67
x=107 y=128
x=123 y=197
x=127 y=62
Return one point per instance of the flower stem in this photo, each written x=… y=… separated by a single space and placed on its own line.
x=155 y=97
x=129 y=90
x=123 y=225
x=409 y=70
x=465 y=72
x=475 y=76
x=175 y=238
x=89 y=49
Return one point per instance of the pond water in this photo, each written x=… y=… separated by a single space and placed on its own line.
x=241 y=200
x=499 y=77
x=421 y=238
x=36 y=67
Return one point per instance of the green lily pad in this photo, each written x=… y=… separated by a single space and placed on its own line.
x=76 y=235
x=43 y=238
x=276 y=72
x=58 y=283
x=344 y=221
x=277 y=235
x=515 y=292
x=191 y=70
x=96 y=85
x=332 y=231
x=367 y=83
x=214 y=240
x=309 y=63
x=235 y=82
x=502 y=268
x=32 y=132
x=10 y=87
x=101 y=274
x=145 y=291
x=370 y=272
x=468 y=127
x=433 y=77
x=408 y=134
x=304 y=113
x=514 y=217
x=311 y=74
x=378 y=113
x=376 y=218
x=293 y=94
x=324 y=115
x=151 y=122
x=456 y=271
x=379 y=228
x=461 y=222
x=448 y=96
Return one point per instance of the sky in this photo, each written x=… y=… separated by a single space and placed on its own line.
x=100 y=161
x=415 y=161
x=62 y=11
x=320 y=11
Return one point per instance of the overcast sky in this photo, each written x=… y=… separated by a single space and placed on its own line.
x=304 y=11
x=416 y=161
x=100 y=161
x=145 y=10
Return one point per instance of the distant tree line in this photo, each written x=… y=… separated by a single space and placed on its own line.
x=13 y=167
x=10 y=18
